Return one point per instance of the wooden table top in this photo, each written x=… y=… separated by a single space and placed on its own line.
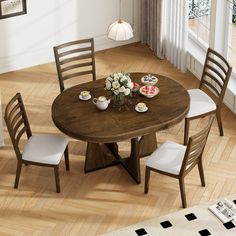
x=82 y=120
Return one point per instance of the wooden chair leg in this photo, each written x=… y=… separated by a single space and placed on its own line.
x=219 y=121
x=186 y=131
x=201 y=172
x=18 y=171
x=66 y=154
x=57 y=179
x=182 y=191
x=147 y=178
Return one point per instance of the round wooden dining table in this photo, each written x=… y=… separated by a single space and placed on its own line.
x=103 y=129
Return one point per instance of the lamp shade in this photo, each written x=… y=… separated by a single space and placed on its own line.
x=120 y=31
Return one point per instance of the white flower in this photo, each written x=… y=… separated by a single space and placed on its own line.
x=116 y=77
x=127 y=91
x=120 y=75
x=109 y=79
x=122 y=89
x=116 y=92
x=130 y=85
x=123 y=79
x=128 y=78
x=108 y=85
x=116 y=84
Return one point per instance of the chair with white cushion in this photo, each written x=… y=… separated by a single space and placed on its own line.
x=40 y=150
x=176 y=160
x=215 y=77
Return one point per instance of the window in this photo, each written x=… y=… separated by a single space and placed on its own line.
x=232 y=32
x=199 y=19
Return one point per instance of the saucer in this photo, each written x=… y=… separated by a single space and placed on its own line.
x=85 y=99
x=136 y=109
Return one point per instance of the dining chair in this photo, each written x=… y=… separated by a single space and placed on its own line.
x=215 y=76
x=176 y=160
x=39 y=150
x=74 y=59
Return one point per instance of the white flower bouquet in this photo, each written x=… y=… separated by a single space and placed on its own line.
x=119 y=84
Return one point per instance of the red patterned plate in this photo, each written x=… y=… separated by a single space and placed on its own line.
x=149 y=91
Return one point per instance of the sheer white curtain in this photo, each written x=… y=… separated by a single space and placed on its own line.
x=175 y=32
x=164 y=28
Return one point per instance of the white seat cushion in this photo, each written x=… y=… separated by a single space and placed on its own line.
x=168 y=157
x=200 y=103
x=47 y=149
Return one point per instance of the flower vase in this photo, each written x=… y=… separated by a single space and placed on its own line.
x=119 y=100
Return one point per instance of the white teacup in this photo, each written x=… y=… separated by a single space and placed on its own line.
x=141 y=106
x=85 y=94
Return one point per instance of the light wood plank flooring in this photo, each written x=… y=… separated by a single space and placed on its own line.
x=108 y=199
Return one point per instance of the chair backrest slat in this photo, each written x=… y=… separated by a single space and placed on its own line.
x=210 y=68
x=216 y=74
x=16 y=118
x=17 y=122
x=76 y=66
x=195 y=148
x=74 y=59
x=212 y=88
x=69 y=52
x=77 y=58
x=77 y=74
x=17 y=126
x=19 y=134
x=13 y=111
x=214 y=79
x=218 y=64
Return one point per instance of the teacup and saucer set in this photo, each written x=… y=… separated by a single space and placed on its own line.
x=141 y=107
x=84 y=95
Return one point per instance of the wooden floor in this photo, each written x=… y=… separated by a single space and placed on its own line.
x=102 y=201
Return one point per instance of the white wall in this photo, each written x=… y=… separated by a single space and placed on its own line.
x=27 y=40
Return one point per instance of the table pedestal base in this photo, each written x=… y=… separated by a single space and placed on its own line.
x=102 y=155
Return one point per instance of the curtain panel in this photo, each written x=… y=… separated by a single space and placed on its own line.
x=151 y=25
x=164 y=28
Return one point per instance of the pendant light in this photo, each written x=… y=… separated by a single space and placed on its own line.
x=120 y=30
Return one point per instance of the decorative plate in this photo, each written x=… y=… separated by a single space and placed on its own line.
x=149 y=79
x=149 y=91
